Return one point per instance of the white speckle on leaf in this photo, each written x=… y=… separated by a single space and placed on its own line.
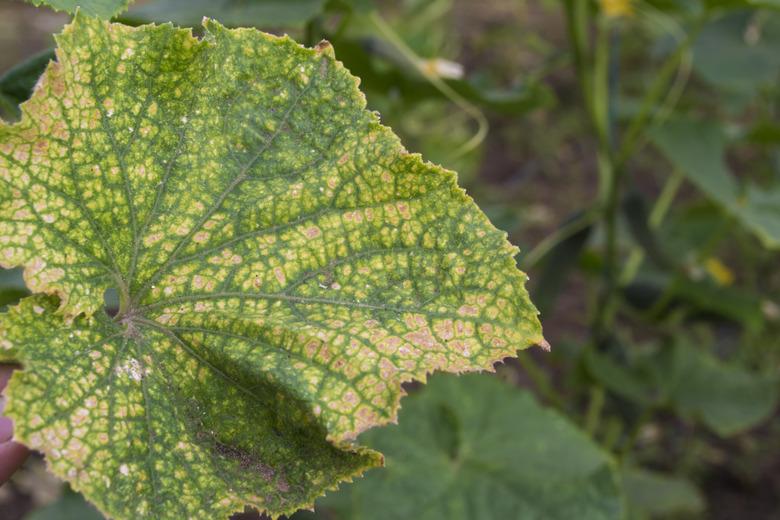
x=38 y=309
x=124 y=470
x=132 y=367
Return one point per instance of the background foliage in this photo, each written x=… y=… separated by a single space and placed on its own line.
x=632 y=150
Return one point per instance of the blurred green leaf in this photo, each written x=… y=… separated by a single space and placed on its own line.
x=727 y=398
x=653 y=494
x=697 y=149
x=558 y=263
x=728 y=302
x=382 y=71
x=675 y=6
x=638 y=379
x=12 y=287
x=472 y=447
x=104 y=9
x=357 y=6
x=765 y=132
x=233 y=13
x=17 y=83
x=689 y=229
x=637 y=217
x=738 y=52
x=71 y=506
x=704 y=298
x=742 y=4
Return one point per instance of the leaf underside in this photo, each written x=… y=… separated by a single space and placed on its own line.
x=283 y=264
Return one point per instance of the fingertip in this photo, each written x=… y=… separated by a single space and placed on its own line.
x=12 y=456
x=6 y=429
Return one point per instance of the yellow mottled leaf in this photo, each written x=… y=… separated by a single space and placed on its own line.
x=282 y=265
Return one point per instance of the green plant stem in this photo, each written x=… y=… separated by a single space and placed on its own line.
x=414 y=60
x=613 y=430
x=564 y=232
x=593 y=74
x=577 y=25
x=656 y=218
x=636 y=430
x=540 y=380
x=595 y=407
x=677 y=62
x=610 y=177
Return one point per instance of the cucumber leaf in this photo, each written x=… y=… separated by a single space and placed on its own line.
x=232 y=13
x=282 y=263
x=104 y=9
x=473 y=447
x=697 y=149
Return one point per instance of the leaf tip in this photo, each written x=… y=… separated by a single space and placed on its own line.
x=544 y=345
x=324 y=47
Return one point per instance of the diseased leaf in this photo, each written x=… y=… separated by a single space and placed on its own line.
x=147 y=426
x=474 y=448
x=283 y=264
x=104 y=9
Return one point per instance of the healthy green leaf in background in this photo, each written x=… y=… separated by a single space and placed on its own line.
x=282 y=263
x=697 y=149
x=473 y=447
x=12 y=287
x=738 y=52
x=652 y=494
x=16 y=84
x=265 y=13
x=70 y=506
x=742 y=4
x=103 y=9
x=727 y=398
